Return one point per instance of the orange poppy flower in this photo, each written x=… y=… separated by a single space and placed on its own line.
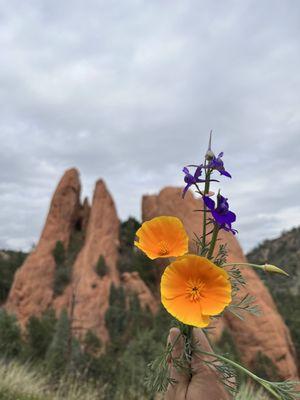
x=193 y=289
x=162 y=237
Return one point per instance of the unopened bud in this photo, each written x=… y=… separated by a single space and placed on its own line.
x=209 y=154
x=273 y=268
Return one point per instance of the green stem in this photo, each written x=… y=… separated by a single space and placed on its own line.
x=259 y=380
x=187 y=332
x=244 y=265
x=189 y=338
x=206 y=191
x=265 y=267
x=213 y=241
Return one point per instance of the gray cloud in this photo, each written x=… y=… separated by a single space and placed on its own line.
x=129 y=91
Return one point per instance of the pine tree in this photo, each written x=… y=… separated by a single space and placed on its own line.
x=59 y=253
x=62 y=271
x=116 y=315
x=101 y=267
x=40 y=333
x=57 y=356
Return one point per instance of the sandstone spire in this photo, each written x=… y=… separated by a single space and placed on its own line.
x=90 y=292
x=92 y=234
x=32 y=291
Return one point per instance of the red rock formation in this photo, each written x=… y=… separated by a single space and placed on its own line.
x=86 y=297
x=91 y=292
x=266 y=333
x=32 y=292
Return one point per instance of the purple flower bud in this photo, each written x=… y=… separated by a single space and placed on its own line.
x=209 y=156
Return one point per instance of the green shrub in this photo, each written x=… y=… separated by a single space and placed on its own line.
x=75 y=245
x=39 y=334
x=128 y=230
x=101 y=267
x=10 y=261
x=115 y=317
x=286 y=302
x=58 y=353
x=92 y=344
x=131 y=384
x=59 y=253
x=63 y=271
x=10 y=335
x=62 y=278
x=64 y=261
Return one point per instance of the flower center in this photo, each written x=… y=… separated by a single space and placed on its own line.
x=163 y=248
x=194 y=289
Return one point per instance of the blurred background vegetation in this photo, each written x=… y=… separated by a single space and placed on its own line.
x=48 y=362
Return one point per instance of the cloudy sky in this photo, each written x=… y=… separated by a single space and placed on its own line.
x=129 y=90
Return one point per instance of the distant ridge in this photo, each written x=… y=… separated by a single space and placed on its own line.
x=284 y=252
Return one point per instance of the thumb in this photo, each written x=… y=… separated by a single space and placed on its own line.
x=205 y=380
x=201 y=342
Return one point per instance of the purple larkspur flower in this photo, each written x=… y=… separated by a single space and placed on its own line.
x=218 y=164
x=221 y=214
x=190 y=179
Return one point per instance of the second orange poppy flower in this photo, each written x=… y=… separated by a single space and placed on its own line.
x=162 y=237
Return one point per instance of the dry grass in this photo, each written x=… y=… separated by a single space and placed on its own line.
x=22 y=382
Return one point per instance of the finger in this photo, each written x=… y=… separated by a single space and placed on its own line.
x=177 y=342
x=177 y=390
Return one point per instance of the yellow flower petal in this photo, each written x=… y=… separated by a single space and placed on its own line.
x=193 y=288
x=191 y=315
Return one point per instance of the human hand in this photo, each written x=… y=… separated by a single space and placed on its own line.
x=204 y=383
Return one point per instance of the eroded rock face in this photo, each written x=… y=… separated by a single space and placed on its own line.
x=32 y=291
x=267 y=333
x=87 y=296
